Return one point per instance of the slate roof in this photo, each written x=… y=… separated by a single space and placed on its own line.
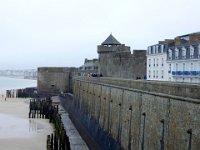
x=111 y=40
x=188 y=34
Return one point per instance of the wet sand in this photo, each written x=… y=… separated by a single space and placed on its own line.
x=17 y=131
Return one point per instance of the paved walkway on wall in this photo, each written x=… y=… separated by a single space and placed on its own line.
x=76 y=141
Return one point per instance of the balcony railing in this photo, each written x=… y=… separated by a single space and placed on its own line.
x=185 y=73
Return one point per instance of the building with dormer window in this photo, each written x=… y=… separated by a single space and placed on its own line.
x=156 y=60
x=181 y=57
x=187 y=67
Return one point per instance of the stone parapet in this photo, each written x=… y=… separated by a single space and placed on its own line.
x=170 y=88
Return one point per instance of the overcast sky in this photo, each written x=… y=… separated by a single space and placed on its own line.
x=36 y=33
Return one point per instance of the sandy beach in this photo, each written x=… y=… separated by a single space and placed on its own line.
x=17 y=131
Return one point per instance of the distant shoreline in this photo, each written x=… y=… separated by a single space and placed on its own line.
x=15 y=82
x=18 y=77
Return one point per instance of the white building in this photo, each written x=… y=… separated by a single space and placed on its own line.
x=156 y=62
x=184 y=61
x=175 y=60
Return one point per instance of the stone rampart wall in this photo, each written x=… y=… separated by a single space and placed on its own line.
x=141 y=114
x=55 y=80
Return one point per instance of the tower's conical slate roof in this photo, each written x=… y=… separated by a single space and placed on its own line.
x=111 y=40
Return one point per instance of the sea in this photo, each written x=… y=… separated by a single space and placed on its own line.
x=7 y=83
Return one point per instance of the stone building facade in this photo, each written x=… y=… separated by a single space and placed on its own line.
x=116 y=60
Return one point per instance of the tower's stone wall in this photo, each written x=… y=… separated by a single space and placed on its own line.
x=117 y=61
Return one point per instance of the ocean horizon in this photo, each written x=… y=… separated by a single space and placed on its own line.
x=8 y=83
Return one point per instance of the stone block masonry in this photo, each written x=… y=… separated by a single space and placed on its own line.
x=141 y=114
x=116 y=60
x=55 y=80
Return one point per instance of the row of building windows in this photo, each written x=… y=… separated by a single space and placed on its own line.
x=182 y=67
x=156 y=74
x=156 y=49
x=89 y=68
x=156 y=62
x=183 y=50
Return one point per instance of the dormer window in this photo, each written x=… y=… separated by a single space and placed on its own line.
x=169 y=54
x=183 y=52
x=199 y=51
x=149 y=50
x=176 y=53
x=154 y=49
x=191 y=52
x=162 y=48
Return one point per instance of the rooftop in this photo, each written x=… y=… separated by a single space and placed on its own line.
x=111 y=40
x=188 y=34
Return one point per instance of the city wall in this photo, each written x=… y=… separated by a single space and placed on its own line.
x=55 y=80
x=142 y=114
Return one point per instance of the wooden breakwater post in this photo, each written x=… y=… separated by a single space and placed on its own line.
x=43 y=108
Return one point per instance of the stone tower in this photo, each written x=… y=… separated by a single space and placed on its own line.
x=116 y=60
